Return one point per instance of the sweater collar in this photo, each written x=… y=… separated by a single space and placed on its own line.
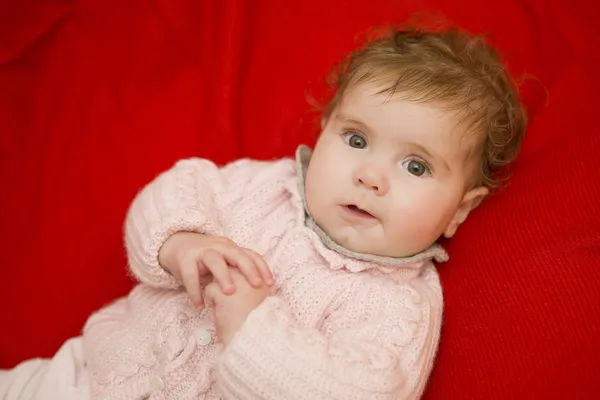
x=435 y=251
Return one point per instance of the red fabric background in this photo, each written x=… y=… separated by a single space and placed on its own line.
x=97 y=97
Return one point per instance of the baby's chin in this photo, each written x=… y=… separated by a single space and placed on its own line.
x=353 y=240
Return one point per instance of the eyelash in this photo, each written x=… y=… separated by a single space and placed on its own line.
x=351 y=131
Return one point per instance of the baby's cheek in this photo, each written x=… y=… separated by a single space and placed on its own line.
x=414 y=225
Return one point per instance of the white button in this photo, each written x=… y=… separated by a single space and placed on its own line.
x=159 y=384
x=203 y=337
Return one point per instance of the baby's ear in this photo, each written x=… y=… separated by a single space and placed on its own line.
x=469 y=202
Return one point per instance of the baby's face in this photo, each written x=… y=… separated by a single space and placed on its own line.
x=388 y=176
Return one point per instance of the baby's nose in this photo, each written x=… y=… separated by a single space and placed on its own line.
x=373 y=179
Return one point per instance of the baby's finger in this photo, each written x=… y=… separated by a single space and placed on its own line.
x=191 y=281
x=211 y=291
x=240 y=259
x=264 y=269
x=216 y=264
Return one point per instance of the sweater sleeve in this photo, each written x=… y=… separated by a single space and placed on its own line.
x=386 y=353
x=188 y=197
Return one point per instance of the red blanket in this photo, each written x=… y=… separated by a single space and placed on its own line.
x=97 y=97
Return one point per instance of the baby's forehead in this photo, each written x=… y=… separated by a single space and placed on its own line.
x=405 y=109
x=373 y=94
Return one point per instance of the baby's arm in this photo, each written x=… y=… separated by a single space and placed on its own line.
x=380 y=345
x=190 y=197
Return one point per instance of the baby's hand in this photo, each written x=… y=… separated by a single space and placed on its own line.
x=194 y=258
x=230 y=311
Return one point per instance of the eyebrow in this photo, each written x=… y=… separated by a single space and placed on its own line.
x=360 y=124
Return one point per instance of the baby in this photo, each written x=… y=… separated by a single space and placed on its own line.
x=311 y=278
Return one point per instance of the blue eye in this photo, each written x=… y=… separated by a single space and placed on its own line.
x=356 y=141
x=417 y=168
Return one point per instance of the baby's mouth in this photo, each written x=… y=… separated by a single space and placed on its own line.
x=359 y=211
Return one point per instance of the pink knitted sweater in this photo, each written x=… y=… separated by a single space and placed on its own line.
x=341 y=325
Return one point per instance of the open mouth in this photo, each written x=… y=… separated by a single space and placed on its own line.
x=358 y=211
